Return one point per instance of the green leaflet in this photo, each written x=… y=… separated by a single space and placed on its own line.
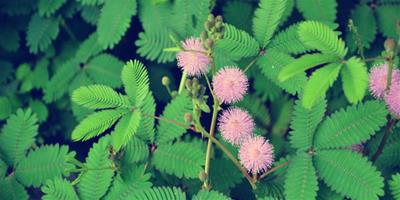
x=304 y=124
x=394 y=185
x=105 y=69
x=125 y=129
x=354 y=125
x=59 y=189
x=159 y=193
x=365 y=22
x=11 y=189
x=319 y=10
x=204 y=194
x=319 y=83
x=136 y=81
x=99 y=97
x=355 y=79
x=319 y=36
x=349 y=174
x=17 y=136
x=114 y=21
x=146 y=127
x=287 y=41
x=238 y=43
x=88 y=48
x=41 y=32
x=180 y=159
x=47 y=8
x=304 y=63
x=95 y=182
x=301 y=178
x=136 y=150
x=266 y=19
x=387 y=19
x=46 y=162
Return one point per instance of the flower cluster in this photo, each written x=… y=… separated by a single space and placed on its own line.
x=378 y=84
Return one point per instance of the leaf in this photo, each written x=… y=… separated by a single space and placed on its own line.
x=180 y=159
x=365 y=23
x=136 y=81
x=114 y=21
x=238 y=13
x=6 y=107
x=224 y=175
x=146 y=127
x=125 y=129
x=41 y=32
x=287 y=41
x=17 y=136
x=394 y=185
x=238 y=43
x=11 y=189
x=304 y=124
x=151 y=45
x=354 y=125
x=46 y=162
x=88 y=48
x=136 y=150
x=266 y=19
x=355 y=79
x=59 y=189
x=387 y=16
x=40 y=109
x=96 y=123
x=48 y=8
x=320 y=10
x=3 y=169
x=205 y=195
x=319 y=83
x=175 y=110
x=90 y=14
x=304 y=63
x=301 y=179
x=96 y=180
x=319 y=36
x=105 y=69
x=349 y=174
x=91 y=2
x=159 y=193
x=99 y=97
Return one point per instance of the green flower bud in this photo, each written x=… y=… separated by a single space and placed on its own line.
x=165 y=81
x=188 y=117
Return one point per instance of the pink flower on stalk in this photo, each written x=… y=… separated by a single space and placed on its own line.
x=393 y=99
x=193 y=59
x=236 y=125
x=256 y=154
x=378 y=80
x=230 y=84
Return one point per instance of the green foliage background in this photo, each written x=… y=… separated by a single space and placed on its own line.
x=81 y=92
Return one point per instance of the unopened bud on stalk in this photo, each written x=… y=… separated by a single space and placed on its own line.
x=188 y=117
x=389 y=44
x=165 y=81
x=204 y=35
x=209 y=43
x=202 y=176
x=218 y=18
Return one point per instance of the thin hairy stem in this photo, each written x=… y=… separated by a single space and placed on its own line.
x=388 y=131
x=68 y=30
x=273 y=170
x=251 y=64
x=182 y=83
x=170 y=121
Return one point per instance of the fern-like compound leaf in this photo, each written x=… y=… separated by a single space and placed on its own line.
x=301 y=179
x=355 y=79
x=304 y=63
x=204 y=195
x=91 y=2
x=272 y=63
x=136 y=81
x=41 y=32
x=125 y=129
x=354 y=125
x=394 y=185
x=304 y=124
x=365 y=22
x=287 y=41
x=146 y=127
x=47 y=8
x=319 y=10
x=180 y=159
x=238 y=43
x=88 y=48
x=159 y=193
x=388 y=15
x=59 y=189
x=44 y=163
x=11 y=189
x=96 y=124
x=349 y=174
x=175 y=111
x=136 y=150
x=99 y=97
x=105 y=69
x=97 y=177
x=114 y=21
x=90 y=14
x=152 y=44
x=266 y=19
x=319 y=83
x=319 y=36
x=17 y=136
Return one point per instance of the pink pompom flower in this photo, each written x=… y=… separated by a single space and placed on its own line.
x=256 y=154
x=393 y=99
x=230 y=85
x=378 y=80
x=236 y=125
x=193 y=58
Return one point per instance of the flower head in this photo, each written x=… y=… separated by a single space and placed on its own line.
x=393 y=99
x=236 y=125
x=256 y=154
x=378 y=80
x=193 y=59
x=230 y=85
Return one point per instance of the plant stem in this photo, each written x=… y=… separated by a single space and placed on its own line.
x=273 y=170
x=170 y=121
x=251 y=64
x=182 y=83
x=390 y=72
x=68 y=30
x=389 y=128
